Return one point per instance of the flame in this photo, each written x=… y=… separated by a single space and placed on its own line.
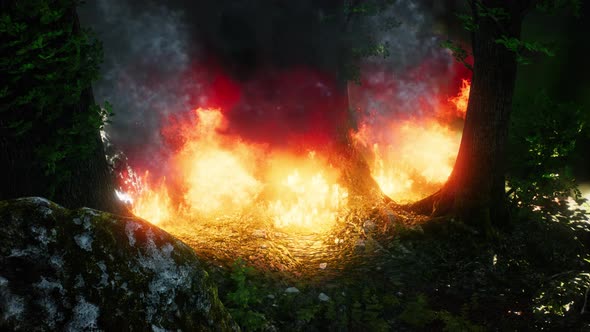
x=422 y=159
x=461 y=100
x=221 y=174
x=150 y=204
x=412 y=158
x=310 y=197
x=217 y=172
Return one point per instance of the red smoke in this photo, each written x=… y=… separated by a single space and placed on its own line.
x=279 y=107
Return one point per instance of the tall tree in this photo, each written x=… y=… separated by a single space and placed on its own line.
x=475 y=190
x=49 y=124
x=355 y=44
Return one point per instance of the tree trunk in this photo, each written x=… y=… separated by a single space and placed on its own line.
x=355 y=173
x=475 y=191
x=90 y=183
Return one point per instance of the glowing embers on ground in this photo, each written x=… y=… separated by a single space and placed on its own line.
x=305 y=193
x=411 y=158
x=218 y=174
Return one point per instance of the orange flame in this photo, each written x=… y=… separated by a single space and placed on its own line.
x=222 y=174
x=416 y=156
x=216 y=171
x=310 y=197
x=153 y=205
x=461 y=100
x=421 y=160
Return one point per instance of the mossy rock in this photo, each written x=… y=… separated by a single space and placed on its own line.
x=87 y=270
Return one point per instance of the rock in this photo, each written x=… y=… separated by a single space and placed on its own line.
x=368 y=226
x=401 y=248
x=323 y=297
x=323 y=266
x=292 y=290
x=87 y=270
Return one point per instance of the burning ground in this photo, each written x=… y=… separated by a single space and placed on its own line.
x=254 y=143
x=224 y=186
x=238 y=132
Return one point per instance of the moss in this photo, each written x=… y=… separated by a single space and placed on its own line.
x=137 y=275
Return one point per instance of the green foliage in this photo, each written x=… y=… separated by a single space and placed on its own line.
x=543 y=135
x=418 y=315
x=459 y=53
x=522 y=49
x=453 y=323
x=560 y=294
x=533 y=276
x=306 y=314
x=367 y=309
x=495 y=13
x=554 y=5
x=244 y=296
x=354 y=16
x=467 y=21
x=47 y=66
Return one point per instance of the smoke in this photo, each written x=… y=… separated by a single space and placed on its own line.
x=272 y=66
x=147 y=52
x=417 y=71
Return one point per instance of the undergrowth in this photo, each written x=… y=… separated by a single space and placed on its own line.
x=534 y=276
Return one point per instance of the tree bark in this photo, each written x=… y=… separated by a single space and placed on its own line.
x=90 y=185
x=475 y=190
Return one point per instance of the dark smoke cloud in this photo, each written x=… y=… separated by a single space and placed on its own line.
x=417 y=70
x=147 y=49
x=163 y=58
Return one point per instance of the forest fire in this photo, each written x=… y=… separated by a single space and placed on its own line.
x=460 y=101
x=221 y=175
x=419 y=159
x=214 y=171
x=411 y=158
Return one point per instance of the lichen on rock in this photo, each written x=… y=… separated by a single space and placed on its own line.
x=86 y=270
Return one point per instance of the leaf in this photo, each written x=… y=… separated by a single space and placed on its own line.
x=459 y=53
x=524 y=49
x=468 y=22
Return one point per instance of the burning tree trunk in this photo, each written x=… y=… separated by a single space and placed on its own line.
x=475 y=191
x=356 y=175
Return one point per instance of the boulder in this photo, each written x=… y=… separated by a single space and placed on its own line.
x=87 y=270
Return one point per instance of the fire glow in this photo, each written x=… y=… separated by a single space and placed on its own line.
x=213 y=171
x=411 y=158
x=420 y=160
x=222 y=174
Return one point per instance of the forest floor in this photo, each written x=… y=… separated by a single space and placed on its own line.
x=376 y=271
